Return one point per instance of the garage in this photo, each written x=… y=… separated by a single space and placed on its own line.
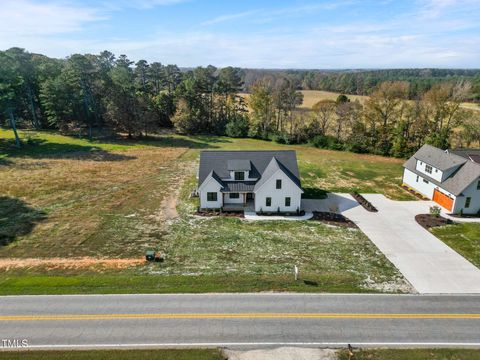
x=443 y=200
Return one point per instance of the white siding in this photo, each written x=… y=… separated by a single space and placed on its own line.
x=470 y=191
x=268 y=189
x=229 y=200
x=246 y=174
x=427 y=190
x=210 y=186
x=436 y=174
x=423 y=188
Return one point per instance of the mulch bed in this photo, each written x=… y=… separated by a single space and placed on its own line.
x=428 y=221
x=333 y=219
x=367 y=205
x=413 y=192
x=218 y=213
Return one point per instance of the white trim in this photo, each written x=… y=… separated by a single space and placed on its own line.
x=206 y=182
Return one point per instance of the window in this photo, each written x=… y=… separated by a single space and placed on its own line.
x=211 y=196
x=417 y=178
x=239 y=175
x=468 y=200
x=425 y=181
x=279 y=183
x=268 y=201
x=234 y=196
x=428 y=169
x=478 y=185
x=287 y=201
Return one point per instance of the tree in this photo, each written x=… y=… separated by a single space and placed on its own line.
x=443 y=102
x=261 y=104
x=385 y=107
x=324 y=111
x=10 y=84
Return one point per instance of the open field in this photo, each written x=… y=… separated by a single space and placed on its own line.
x=166 y=354
x=463 y=238
x=102 y=204
x=311 y=97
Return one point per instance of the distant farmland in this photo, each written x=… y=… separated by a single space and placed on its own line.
x=311 y=97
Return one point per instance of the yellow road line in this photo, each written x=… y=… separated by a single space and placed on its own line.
x=233 y=316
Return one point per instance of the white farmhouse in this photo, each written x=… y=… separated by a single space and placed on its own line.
x=451 y=177
x=261 y=181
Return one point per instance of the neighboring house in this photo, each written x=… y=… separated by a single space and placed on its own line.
x=265 y=181
x=451 y=177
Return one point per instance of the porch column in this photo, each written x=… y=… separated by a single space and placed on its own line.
x=244 y=198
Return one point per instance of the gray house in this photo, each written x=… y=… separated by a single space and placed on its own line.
x=256 y=180
x=451 y=177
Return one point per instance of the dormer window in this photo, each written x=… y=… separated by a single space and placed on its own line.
x=428 y=169
x=239 y=175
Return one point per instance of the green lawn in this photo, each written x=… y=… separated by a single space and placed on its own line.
x=167 y=354
x=412 y=354
x=463 y=238
x=65 y=197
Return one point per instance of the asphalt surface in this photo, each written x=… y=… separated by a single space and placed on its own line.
x=241 y=320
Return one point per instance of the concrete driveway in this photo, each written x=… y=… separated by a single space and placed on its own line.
x=426 y=262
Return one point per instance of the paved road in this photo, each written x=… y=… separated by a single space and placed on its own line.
x=426 y=262
x=243 y=320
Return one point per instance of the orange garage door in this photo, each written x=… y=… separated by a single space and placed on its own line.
x=443 y=200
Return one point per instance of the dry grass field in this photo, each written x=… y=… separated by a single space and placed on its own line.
x=311 y=97
x=70 y=206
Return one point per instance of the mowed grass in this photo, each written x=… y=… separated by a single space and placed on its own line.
x=109 y=200
x=412 y=354
x=164 y=354
x=464 y=238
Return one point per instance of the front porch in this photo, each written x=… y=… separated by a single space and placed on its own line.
x=248 y=206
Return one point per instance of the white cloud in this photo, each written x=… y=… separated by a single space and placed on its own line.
x=29 y=18
x=228 y=17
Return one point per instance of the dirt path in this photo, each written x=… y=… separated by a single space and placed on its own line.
x=71 y=263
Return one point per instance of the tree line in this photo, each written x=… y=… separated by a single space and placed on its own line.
x=387 y=123
x=106 y=95
x=363 y=82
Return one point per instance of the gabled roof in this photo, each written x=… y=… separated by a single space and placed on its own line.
x=460 y=179
x=470 y=154
x=218 y=162
x=273 y=166
x=213 y=175
x=442 y=160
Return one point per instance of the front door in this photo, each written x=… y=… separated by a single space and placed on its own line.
x=249 y=196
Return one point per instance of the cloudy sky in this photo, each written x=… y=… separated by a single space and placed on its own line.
x=327 y=34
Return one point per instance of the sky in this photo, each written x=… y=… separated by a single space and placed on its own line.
x=308 y=34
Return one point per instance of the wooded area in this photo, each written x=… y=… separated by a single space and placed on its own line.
x=105 y=95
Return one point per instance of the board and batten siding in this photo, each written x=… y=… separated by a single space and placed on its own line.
x=211 y=185
x=268 y=189
x=472 y=192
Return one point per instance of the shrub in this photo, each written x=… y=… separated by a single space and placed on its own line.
x=435 y=211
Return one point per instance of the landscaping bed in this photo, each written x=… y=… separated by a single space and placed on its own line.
x=413 y=192
x=429 y=221
x=367 y=205
x=238 y=214
x=333 y=219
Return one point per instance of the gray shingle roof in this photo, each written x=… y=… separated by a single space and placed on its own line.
x=455 y=183
x=217 y=161
x=438 y=158
x=239 y=165
x=470 y=154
